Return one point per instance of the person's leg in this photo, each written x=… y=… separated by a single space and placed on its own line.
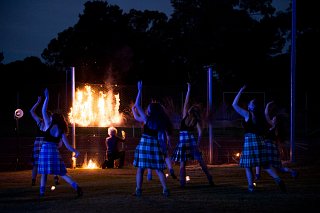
x=249 y=176
x=204 y=168
x=74 y=184
x=110 y=161
x=163 y=181
x=272 y=172
x=170 y=167
x=121 y=157
x=293 y=172
x=149 y=175
x=285 y=169
x=104 y=164
x=168 y=162
x=56 y=180
x=182 y=173
x=34 y=174
x=43 y=183
x=35 y=160
x=258 y=173
x=139 y=180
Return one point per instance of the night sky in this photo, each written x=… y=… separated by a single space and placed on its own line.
x=27 y=26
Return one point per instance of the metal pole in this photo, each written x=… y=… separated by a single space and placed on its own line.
x=66 y=105
x=293 y=78
x=209 y=113
x=17 y=133
x=74 y=160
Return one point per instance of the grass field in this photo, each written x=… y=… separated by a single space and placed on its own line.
x=110 y=190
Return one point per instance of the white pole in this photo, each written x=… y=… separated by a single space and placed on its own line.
x=209 y=113
x=293 y=83
x=66 y=105
x=74 y=160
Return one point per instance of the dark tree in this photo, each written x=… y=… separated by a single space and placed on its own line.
x=107 y=44
x=1 y=57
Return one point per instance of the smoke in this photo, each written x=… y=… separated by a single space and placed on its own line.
x=119 y=66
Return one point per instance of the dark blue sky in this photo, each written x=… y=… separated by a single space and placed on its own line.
x=27 y=26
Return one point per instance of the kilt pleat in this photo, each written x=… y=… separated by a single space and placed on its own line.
x=50 y=161
x=254 y=152
x=187 y=148
x=273 y=154
x=148 y=154
x=36 y=150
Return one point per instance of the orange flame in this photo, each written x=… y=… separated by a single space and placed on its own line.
x=91 y=165
x=95 y=109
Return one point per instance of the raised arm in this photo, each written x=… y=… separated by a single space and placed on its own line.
x=199 y=128
x=123 y=135
x=45 y=108
x=186 y=102
x=168 y=139
x=266 y=113
x=244 y=113
x=33 y=111
x=68 y=146
x=137 y=110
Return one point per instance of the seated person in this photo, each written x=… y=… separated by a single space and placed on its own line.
x=112 y=152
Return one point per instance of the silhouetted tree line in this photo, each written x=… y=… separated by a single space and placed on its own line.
x=248 y=42
x=106 y=42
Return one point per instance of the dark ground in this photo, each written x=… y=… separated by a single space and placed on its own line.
x=110 y=190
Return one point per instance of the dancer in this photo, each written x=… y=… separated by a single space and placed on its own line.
x=148 y=153
x=50 y=161
x=276 y=134
x=254 y=151
x=38 y=142
x=164 y=140
x=188 y=147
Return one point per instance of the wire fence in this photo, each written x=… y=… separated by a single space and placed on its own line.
x=17 y=135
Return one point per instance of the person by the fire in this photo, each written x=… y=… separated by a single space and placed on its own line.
x=113 y=151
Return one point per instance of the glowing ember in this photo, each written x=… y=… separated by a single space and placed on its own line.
x=91 y=108
x=90 y=165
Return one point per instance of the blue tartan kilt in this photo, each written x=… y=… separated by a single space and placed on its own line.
x=36 y=150
x=253 y=152
x=148 y=154
x=187 y=148
x=273 y=154
x=50 y=161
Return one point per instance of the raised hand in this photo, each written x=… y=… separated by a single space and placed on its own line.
x=46 y=92
x=243 y=88
x=139 y=85
x=76 y=154
x=269 y=103
x=39 y=99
